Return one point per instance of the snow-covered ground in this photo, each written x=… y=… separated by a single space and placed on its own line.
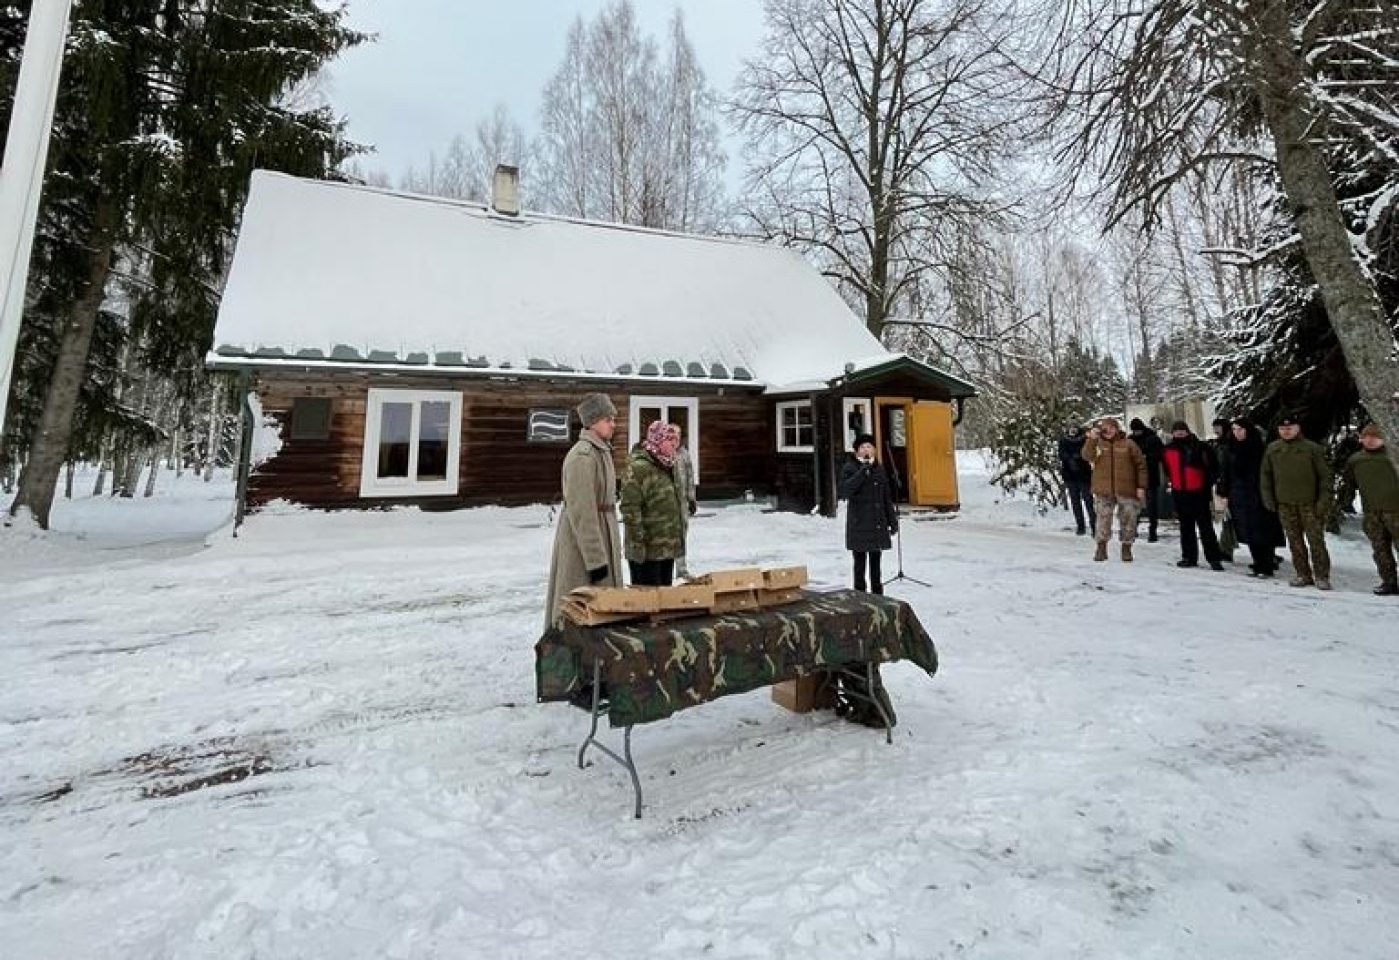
x=319 y=739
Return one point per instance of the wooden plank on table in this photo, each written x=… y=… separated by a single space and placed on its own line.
x=617 y=599
x=779 y=578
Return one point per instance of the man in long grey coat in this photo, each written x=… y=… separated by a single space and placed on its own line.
x=587 y=541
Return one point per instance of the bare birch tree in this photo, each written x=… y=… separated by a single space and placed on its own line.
x=626 y=134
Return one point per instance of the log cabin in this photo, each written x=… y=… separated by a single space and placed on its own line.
x=400 y=349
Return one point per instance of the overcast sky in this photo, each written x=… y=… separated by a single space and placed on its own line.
x=439 y=66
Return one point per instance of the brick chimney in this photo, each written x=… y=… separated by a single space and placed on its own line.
x=505 y=190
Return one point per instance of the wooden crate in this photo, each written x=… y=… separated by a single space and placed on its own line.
x=685 y=596
x=583 y=615
x=739 y=578
x=775 y=598
x=779 y=578
x=617 y=599
x=814 y=691
x=728 y=601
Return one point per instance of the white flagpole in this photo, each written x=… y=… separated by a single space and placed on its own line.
x=22 y=177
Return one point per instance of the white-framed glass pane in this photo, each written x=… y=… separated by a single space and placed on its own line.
x=434 y=425
x=395 y=439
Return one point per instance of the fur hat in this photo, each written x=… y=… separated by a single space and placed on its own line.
x=1180 y=425
x=594 y=407
x=1137 y=424
x=1372 y=430
x=861 y=439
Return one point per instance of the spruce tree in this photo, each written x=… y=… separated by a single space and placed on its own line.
x=165 y=109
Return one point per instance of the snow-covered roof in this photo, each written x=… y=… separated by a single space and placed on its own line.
x=333 y=273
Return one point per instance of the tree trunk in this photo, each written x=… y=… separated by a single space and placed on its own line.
x=211 y=442
x=155 y=466
x=1347 y=290
x=39 y=479
x=68 y=480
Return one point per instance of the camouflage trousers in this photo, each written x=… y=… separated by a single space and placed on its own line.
x=1305 y=526
x=1127 y=510
x=1382 y=527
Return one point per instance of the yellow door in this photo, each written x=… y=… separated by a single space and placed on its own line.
x=932 y=458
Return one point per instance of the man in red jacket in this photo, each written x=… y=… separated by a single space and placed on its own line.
x=1191 y=471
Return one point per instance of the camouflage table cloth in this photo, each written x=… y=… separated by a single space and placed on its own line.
x=651 y=670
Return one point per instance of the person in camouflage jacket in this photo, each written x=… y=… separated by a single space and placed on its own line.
x=1372 y=472
x=652 y=512
x=1295 y=483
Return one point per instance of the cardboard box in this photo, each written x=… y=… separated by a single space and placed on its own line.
x=813 y=691
x=739 y=578
x=585 y=616
x=730 y=600
x=687 y=596
x=774 y=598
x=778 y=578
x=617 y=599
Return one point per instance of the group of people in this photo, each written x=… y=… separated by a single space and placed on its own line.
x=655 y=498
x=1275 y=493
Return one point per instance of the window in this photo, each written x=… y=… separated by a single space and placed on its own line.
x=412 y=440
x=681 y=411
x=548 y=425
x=795 y=431
x=310 y=418
x=858 y=419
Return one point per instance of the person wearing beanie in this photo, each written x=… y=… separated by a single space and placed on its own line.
x=1239 y=484
x=1078 y=478
x=1119 y=484
x=1151 y=446
x=1190 y=468
x=871 y=518
x=587 y=540
x=1372 y=472
x=1295 y=482
x=652 y=511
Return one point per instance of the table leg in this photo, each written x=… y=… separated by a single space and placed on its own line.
x=625 y=757
x=878 y=701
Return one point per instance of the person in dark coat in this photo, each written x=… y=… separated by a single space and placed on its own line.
x=1256 y=526
x=1190 y=468
x=871 y=518
x=1151 y=446
x=1219 y=446
x=1077 y=474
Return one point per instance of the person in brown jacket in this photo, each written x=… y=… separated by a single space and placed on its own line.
x=587 y=540
x=1119 y=483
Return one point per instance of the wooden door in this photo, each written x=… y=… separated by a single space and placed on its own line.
x=932 y=456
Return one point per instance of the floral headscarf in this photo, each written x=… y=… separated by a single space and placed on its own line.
x=657 y=434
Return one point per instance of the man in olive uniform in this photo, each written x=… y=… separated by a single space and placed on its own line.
x=1372 y=472
x=1295 y=483
x=587 y=540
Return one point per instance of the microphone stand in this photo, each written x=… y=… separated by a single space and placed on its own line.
x=894 y=478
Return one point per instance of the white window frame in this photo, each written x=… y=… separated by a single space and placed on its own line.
x=794 y=405
x=849 y=406
x=691 y=405
x=370 y=484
